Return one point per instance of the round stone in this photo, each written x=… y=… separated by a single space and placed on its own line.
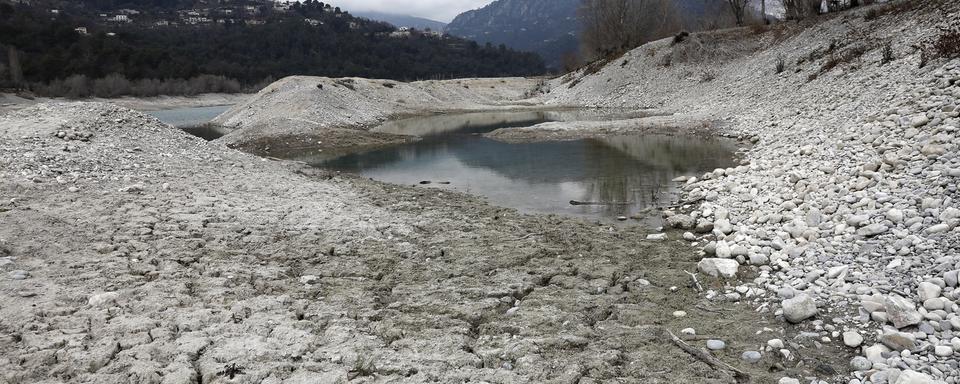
x=943 y=350
x=860 y=363
x=751 y=356
x=716 y=345
x=775 y=343
x=852 y=339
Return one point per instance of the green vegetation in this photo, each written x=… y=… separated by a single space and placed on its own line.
x=312 y=39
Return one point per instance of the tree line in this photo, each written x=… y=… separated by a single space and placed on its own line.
x=48 y=56
x=611 y=27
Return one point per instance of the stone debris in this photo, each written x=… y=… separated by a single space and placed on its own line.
x=847 y=193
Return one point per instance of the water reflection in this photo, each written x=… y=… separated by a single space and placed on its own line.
x=614 y=175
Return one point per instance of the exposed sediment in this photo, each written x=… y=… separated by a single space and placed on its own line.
x=132 y=251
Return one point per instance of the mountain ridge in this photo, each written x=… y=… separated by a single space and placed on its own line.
x=551 y=28
x=547 y=27
x=401 y=20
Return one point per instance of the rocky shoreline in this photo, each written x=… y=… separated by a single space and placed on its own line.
x=845 y=206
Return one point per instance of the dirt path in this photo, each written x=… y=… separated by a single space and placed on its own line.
x=151 y=256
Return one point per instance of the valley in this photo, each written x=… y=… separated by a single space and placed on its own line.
x=817 y=244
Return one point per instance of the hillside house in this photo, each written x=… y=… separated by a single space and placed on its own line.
x=81 y=30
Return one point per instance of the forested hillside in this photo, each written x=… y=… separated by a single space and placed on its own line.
x=548 y=27
x=154 y=52
x=554 y=28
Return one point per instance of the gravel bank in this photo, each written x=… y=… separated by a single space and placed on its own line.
x=133 y=252
x=683 y=124
x=303 y=110
x=845 y=207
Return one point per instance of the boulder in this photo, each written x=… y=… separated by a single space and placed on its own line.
x=901 y=312
x=914 y=377
x=872 y=230
x=719 y=267
x=681 y=221
x=102 y=299
x=928 y=291
x=799 y=308
x=899 y=341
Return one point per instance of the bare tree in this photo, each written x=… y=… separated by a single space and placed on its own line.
x=763 y=11
x=739 y=8
x=613 y=26
x=799 y=9
x=16 y=71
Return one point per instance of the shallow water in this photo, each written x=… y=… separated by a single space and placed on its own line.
x=616 y=176
x=188 y=117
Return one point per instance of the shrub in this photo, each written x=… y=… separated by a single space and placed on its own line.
x=948 y=44
x=346 y=83
x=781 y=64
x=890 y=8
x=679 y=38
x=887 y=53
x=843 y=57
x=116 y=85
x=707 y=76
x=666 y=61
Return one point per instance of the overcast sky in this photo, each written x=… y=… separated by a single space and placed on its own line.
x=440 y=10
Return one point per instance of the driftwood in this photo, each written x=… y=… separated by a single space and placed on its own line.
x=576 y=202
x=696 y=283
x=706 y=357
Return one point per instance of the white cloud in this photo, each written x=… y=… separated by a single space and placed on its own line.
x=440 y=10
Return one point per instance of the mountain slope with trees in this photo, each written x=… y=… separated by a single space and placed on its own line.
x=310 y=39
x=548 y=27
x=403 y=20
x=553 y=28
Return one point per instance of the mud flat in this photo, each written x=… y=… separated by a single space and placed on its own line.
x=132 y=251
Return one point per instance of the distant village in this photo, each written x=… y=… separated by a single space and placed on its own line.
x=211 y=12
